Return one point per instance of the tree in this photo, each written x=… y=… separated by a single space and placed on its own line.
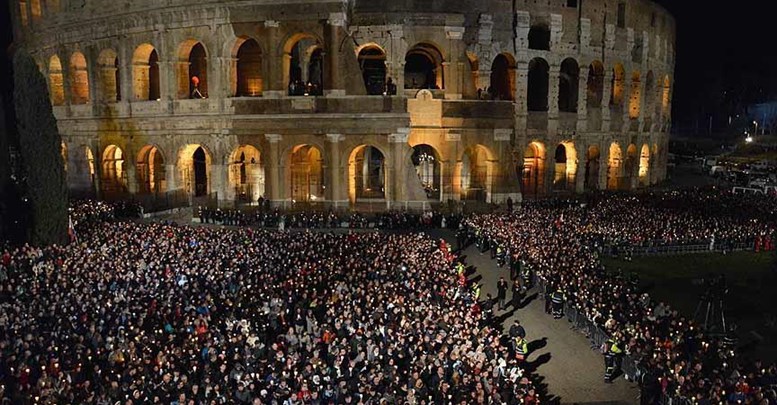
x=40 y=149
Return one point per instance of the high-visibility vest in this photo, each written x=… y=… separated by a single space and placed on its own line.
x=521 y=347
x=614 y=349
x=557 y=297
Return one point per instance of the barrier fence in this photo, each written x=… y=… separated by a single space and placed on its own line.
x=659 y=250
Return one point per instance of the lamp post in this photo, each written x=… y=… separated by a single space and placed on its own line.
x=756 y=127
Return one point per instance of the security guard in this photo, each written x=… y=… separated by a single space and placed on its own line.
x=476 y=292
x=500 y=256
x=611 y=354
x=557 y=302
x=521 y=348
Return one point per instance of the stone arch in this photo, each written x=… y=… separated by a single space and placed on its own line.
x=56 y=81
x=150 y=169
x=110 y=78
x=595 y=84
x=614 y=167
x=533 y=171
x=306 y=173
x=194 y=169
x=503 y=77
x=145 y=73
x=568 y=83
x=476 y=173
x=644 y=166
x=367 y=174
x=592 y=167
x=565 y=168
x=666 y=87
x=90 y=165
x=618 y=86
x=192 y=69
x=79 y=79
x=303 y=64
x=537 y=92
x=372 y=61
x=539 y=37
x=246 y=173
x=114 y=171
x=246 y=79
x=427 y=163
x=631 y=166
x=635 y=100
x=424 y=67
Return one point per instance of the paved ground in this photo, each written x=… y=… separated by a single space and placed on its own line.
x=563 y=358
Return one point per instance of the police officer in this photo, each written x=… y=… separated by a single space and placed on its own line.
x=557 y=303
x=500 y=256
x=612 y=352
x=521 y=348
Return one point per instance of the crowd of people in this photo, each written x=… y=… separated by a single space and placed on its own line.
x=560 y=241
x=137 y=313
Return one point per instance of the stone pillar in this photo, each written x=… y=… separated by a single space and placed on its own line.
x=505 y=182
x=171 y=177
x=521 y=87
x=168 y=86
x=604 y=165
x=218 y=181
x=334 y=77
x=273 y=166
x=338 y=193
x=274 y=86
x=582 y=99
x=181 y=80
x=580 y=163
x=453 y=68
x=396 y=189
x=606 y=96
x=553 y=96
x=130 y=166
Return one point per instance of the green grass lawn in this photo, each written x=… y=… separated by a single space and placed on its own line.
x=751 y=302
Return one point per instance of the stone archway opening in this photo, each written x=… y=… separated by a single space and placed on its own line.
x=539 y=37
x=114 y=174
x=592 y=168
x=595 y=85
x=110 y=80
x=307 y=174
x=537 y=93
x=423 y=67
x=635 y=96
x=533 y=172
x=475 y=174
x=90 y=165
x=614 y=168
x=150 y=168
x=503 y=78
x=56 y=81
x=426 y=162
x=372 y=61
x=304 y=65
x=246 y=174
x=145 y=73
x=568 y=83
x=618 y=83
x=194 y=165
x=644 y=166
x=565 y=168
x=192 y=70
x=366 y=174
x=246 y=78
x=79 y=79
x=631 y=166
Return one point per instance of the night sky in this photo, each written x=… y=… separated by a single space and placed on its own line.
x=726 y=59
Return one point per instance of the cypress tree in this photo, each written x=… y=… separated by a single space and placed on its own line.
x=40 y=148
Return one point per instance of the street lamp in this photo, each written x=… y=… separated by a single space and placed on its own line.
x=756 y=126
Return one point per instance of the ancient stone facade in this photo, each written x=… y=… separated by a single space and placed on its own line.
x=341 y=102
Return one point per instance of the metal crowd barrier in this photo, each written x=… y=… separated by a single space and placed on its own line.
x=657 y=250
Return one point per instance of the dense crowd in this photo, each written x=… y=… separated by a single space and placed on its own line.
x=157 y=313
x=560 y=242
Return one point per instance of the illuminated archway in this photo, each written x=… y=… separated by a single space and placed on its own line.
x=635 y=100
x=644 y=166
x=79 y=79
x=246 y=173
x=614 y=168
x=618 y=83
x=304 y=65
x=192 y=70
x=423 y=67
x=114 y=175
x=426 y=162
x=568 y=83
x=595 y=84
x=592 y=168
x=110 y=80
x=372 y=61
x=246 y=80
x=150 y=168
x=631 y=166
x=475 y=174
x=537 y=92
x=533 y=174
x=503 y=77
x=565 y=167
x=366 y=173
x=145 y=73
x=56 y=81
x=194 y=164
x=307 y=176
x=90 y=164
x=665 y=98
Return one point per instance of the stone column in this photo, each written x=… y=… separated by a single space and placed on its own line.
x=274 y=86
x=606 y=96
x=582 y=99
x=604 y=165
x=338 y=195
x=453 y=68
x=171 y=177
x=334 y=77
x=130 y=167
x=553 y=96
x=396 y=189
x=273 y=166
x=580 y=164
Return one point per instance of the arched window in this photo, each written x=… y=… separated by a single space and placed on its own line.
x=423 y=67
x=592 y=168
x=539 y=37
x=595 y=84
x=114 y=176
x=304 y=65
x=192 y=70
x=426 y=161
x=533 y=175
x=568 y=83
x=150 y=168
x=537 y=94
x=79 y=76
x=367 y=173
x=246 y=174
x=35 y=10
x=614 y=169
x=145 y=73
x=306 y=170
x=109 y=76
x=644 y=166
x=56 y=81
x=475 y=174
x=618 y=81
x=566 y=167
x=635 y=100
x=372 y=61
x=194 y=164
x=503 y=78
x=247 y=81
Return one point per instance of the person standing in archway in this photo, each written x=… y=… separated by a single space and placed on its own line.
x=196 y=88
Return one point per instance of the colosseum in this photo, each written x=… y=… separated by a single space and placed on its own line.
x=400 y=103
